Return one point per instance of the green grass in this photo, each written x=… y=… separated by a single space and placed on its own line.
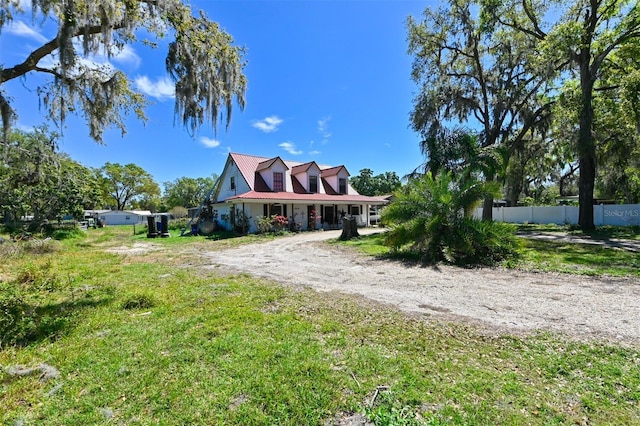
x=573 y=258
x=147 y=341
x=541 y=255
x=601 y=232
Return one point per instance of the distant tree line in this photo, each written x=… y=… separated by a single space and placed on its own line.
x=39 y=182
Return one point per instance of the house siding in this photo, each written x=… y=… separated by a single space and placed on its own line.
x=241 y=185
x=277 y=167
x=334 y=181
x=303 y=178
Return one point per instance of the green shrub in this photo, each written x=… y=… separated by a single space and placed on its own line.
x=479 y=242
x=432 y=216
x=37 y=278
x=15 y=324
x=67 y=233
x=179 y=224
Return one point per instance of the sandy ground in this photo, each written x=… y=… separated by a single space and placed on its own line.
x=500 y=300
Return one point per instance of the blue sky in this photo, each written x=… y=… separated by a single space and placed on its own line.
x=328 y=81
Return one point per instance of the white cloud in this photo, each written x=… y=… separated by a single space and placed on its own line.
x=208 y=142
x=160 y=89
x=127 y=55
x=290 y=148
x=323 y=125
x=269 y=124
x=316 y=152
x=21 y=29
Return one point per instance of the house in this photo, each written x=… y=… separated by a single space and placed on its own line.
x=310 y=195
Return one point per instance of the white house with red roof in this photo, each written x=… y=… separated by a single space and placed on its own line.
x=311 y=196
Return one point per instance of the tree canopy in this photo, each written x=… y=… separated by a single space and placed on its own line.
x=206 y=67
x=555 y=85
x=128 y=183
x=382 y=184
x=187 y=192
x=38 y=181
x=587 y=42
x=471 y=73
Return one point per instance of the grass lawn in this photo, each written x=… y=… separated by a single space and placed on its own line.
x=153 y=339
x=548 y=256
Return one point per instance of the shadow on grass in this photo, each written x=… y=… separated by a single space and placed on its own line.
x=24 y=322
x=600 y=233
x=223 y=235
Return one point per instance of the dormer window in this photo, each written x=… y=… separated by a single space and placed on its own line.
x=313 y=184
x=342 y=186
x=278 y=181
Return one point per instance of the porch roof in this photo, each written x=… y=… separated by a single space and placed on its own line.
x=305 y=197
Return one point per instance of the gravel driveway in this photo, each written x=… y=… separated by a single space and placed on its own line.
x=505 y=300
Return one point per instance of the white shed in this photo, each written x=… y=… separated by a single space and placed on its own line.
x=125 y=217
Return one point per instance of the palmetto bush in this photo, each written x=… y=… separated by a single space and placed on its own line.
x=433 y=216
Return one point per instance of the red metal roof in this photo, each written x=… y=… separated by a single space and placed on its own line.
x=247 y=164
x=332 y=171
x=301 y=168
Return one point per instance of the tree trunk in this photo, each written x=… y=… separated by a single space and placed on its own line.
x=349 y=228
x=586 y=148
x=487 y=204
x=487 y=209
x=585 y=185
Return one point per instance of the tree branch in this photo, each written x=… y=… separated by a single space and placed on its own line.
x=538 y=31
x=31 y=63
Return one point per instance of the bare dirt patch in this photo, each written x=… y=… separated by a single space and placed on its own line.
x=507 y=300
x=136 y=250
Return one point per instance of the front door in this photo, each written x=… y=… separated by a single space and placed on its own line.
x=329 y=215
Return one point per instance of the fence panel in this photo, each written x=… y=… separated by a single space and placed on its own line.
x=604 y=214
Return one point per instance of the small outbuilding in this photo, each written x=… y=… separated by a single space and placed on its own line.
x=124 y=217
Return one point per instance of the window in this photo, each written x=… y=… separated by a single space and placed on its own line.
x=342 y=183
x=313 y=184
x=355 y=210
x=276 y=210
x=278 y=181
x=232 y=183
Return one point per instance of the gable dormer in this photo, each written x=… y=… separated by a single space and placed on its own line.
x=309 y=175
x=274 y=174
x=337 y=179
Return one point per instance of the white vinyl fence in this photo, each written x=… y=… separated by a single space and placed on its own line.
x=603 y=214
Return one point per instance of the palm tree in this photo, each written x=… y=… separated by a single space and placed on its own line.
x=462 y=152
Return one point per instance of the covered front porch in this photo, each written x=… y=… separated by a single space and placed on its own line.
x=300 y=216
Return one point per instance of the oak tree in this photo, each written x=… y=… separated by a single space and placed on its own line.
x=123 y=184
x=584 y=41
x=472 y=73
x=202 y=61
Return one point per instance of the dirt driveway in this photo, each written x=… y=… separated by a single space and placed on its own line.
x=502 y=300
